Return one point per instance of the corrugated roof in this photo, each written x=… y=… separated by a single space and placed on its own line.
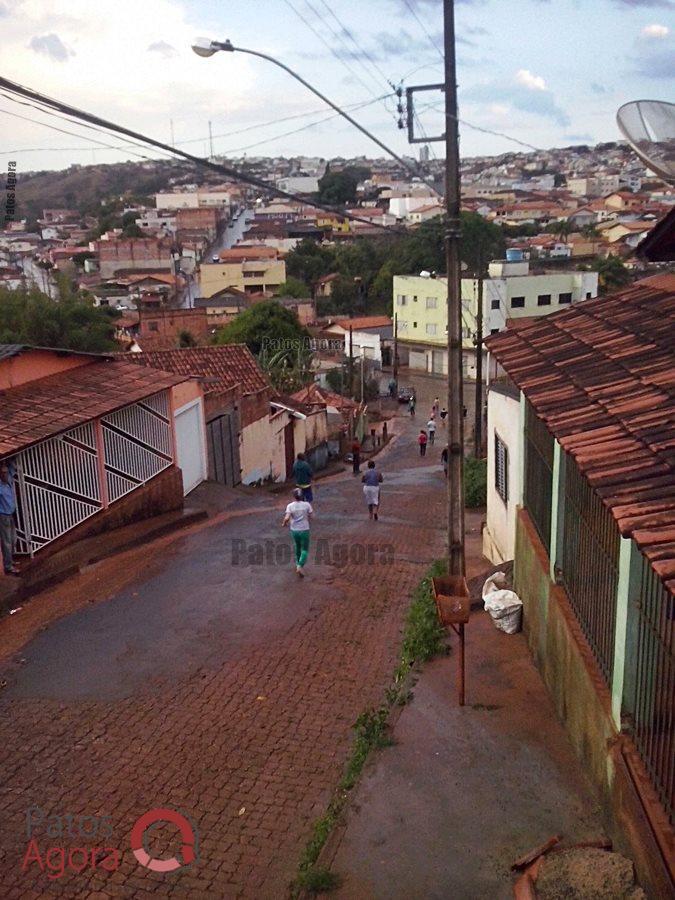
x=224 y=367
x=601 y=375
x=49 y=406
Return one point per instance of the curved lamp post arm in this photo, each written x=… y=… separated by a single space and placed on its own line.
x=209 y=49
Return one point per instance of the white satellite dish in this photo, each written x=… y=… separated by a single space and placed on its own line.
x=649 y=128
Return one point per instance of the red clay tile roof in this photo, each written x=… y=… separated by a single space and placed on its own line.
x=49 y=406
x=357 y=324
x=601 y=375
x=221 y=367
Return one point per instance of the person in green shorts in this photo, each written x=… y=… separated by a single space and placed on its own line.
x=298 y=513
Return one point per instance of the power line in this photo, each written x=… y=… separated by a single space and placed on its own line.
x=330 y=48
x=295 y=130
x=352 y=106
x=350 y=35
x=424 y=29
x=230 y=172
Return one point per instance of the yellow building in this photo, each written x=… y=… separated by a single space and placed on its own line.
x=510 y=292
x=249 y=269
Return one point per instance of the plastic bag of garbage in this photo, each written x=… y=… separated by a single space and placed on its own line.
x=505 y=606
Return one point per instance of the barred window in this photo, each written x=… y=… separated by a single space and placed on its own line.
x=431 y=302
x=431 y=329
x=501 y=469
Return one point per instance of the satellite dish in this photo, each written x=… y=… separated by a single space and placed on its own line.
x=649 y=128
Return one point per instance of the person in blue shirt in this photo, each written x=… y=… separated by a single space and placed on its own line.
x=302 y=472
x=371 y=489
x=7 y=513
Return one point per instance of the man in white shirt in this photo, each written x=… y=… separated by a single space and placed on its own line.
x=431 y=428
x=298 y=514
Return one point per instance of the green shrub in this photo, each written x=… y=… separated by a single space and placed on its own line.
x=475 y=482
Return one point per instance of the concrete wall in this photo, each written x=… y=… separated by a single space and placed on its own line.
x=255 y=451
x=584 y=704
x=499 y=534
x=216 y=277
x=33 y=364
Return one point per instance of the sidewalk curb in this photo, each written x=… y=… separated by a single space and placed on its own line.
x=24 y=592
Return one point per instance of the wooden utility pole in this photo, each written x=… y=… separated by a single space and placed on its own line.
x=351 y=365
x=478 y=427
x=452 y=236
x=395 y=373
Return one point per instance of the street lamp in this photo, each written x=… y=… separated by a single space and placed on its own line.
x=206 y=47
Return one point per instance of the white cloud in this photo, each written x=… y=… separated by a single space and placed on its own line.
x=655 y=31
x=530 y=81
x=52 y=46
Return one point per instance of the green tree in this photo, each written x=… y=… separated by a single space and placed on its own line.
x=186 y=339
x=310 y=261
x=339 y=188
x=29 y=317
x=481 y=241
x=293 y=287
x=612 y=274
x=264 y=325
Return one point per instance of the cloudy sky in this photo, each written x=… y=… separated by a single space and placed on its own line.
x=547 y=72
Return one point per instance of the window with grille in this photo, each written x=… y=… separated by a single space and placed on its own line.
x=501 y=469
x=432 y=302
x=544 y=300
x=565 y=298
x=431 y=329
x=517 y=302
x=494 y=304
x=538 y=474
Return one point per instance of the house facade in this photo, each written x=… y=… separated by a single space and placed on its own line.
x=249 y=269
x=94 y=442
x=590 y=516
x=510 y=292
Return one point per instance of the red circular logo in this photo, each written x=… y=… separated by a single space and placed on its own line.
x=153 y=818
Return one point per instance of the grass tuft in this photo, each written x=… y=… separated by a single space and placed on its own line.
x=422 y=640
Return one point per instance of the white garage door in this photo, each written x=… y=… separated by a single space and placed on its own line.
x=418 y=360
x=189 y=423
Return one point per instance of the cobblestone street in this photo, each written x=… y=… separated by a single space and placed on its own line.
x=224 y=691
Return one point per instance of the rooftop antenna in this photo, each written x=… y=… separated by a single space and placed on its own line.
x=649 y=128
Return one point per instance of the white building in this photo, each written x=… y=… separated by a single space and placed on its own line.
x=503 y=471
x=299 y=184
x=191 y=199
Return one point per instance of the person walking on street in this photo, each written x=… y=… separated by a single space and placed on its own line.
x=411 y=406
x=435 y=407
x=302 y=472
x=431 y=428
x=422 y=441
x=444 y=415
x=372 y=480
x=356 y=457
x=298 y=513
x=392 y=388
x=444 y=460
x=7 y=513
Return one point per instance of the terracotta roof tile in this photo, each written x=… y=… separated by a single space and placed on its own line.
x=221 y=368
x=601 y=375
x=48 y=406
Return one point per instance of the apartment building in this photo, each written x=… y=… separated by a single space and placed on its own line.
x=250 y=269
x=510 y=292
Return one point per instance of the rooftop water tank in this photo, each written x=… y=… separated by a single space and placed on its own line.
x=514 y=255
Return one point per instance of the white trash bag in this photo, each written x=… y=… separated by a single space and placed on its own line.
x=505 y=606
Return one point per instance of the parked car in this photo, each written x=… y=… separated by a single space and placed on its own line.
x=404 y=394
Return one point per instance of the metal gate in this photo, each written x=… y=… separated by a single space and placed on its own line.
x=58 y=487
x=137 y=444
x=223 y=450
x=438 y=366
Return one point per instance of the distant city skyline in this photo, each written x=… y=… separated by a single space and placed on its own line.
x=548 y=74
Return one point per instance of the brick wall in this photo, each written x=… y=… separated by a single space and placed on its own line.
x=254 y=407
x=133 y=253
x=168 y=324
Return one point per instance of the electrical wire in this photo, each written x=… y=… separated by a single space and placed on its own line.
x=330 y=48
x=425 y=30
x=351 y=107
x=294 y=131
x=98 y=123
x=350 y=34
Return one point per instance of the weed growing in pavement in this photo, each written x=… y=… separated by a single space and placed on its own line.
x=422 y=640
